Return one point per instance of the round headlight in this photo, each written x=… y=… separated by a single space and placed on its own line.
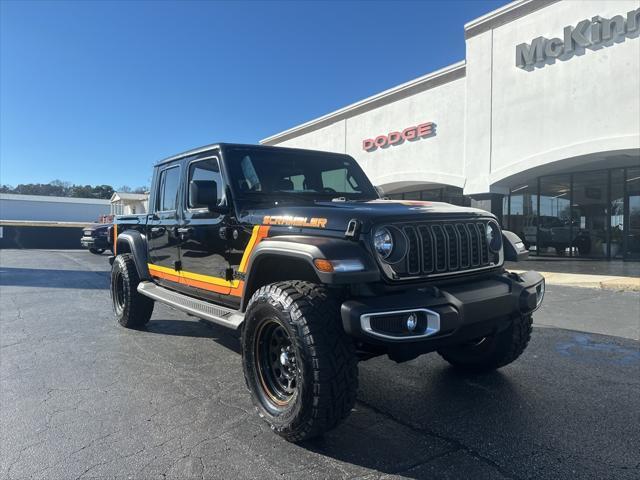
x=494 y=237
x=383 y=242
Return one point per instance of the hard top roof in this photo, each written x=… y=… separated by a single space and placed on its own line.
x=212 y=146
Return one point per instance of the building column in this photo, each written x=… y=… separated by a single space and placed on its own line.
x=491 y=202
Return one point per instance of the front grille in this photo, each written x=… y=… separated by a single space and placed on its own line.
x=435 y=248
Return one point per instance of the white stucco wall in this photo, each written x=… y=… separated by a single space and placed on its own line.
x=58 y=209
x=435 y=159
x=584 y=104
x=499 y=123
x=328 y=139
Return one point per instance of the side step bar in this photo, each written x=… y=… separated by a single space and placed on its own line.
x=226 y=317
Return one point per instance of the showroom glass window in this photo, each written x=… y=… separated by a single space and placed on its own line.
x=589 y=210
x=555 y=230
x=616 y=214
x=522 y=216
x=632 y=233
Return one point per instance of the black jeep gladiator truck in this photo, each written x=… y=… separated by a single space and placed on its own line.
x=295 y=249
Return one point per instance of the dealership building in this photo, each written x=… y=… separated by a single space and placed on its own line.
x=540 y=124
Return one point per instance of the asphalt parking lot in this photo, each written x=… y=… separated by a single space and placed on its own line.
x=82 y=397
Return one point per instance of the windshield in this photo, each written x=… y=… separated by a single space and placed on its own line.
x=275 y=175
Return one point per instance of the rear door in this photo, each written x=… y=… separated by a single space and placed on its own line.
x=204 y=233
x=162 y=223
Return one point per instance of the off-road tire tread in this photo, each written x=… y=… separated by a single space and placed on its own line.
x=509 y=346
x=139 y=308
x=316 y=314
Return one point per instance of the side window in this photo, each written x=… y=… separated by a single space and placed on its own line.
x=340 y=180
x=205 y=172
x=168 y=189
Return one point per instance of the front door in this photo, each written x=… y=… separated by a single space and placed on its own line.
x=203 y=233
x=162 y=222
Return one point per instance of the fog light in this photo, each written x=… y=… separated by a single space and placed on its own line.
x=412 y=322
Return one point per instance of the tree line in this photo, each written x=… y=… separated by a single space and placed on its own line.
x=58 y=188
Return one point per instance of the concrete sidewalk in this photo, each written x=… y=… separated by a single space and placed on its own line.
x=613 y=275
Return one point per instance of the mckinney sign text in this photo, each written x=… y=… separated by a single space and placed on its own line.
x=587 y=33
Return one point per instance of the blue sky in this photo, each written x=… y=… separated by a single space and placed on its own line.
x=96 y=92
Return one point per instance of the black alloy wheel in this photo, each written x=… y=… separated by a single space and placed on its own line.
x=276 y=363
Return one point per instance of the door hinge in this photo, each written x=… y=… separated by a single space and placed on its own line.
x=228 y=274
x=177 y=265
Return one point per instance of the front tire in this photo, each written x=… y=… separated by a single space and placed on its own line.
x=491 y=352
x=132 y=309
x=97 y=251
x=299 y=365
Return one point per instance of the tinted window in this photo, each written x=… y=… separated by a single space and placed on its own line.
x=205 y=170
x=340 y=180
x=307 y=175
x=169 y=183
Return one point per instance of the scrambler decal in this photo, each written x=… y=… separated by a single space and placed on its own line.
x=295 y=221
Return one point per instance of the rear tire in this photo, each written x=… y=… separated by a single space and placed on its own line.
x=299 y=365
x=491 y=352
x=132 y=309
x=96 y=251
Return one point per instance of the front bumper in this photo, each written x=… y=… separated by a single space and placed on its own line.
x=95 y=242
x=449 y=315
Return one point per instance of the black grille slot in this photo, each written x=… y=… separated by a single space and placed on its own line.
x=443 y=247
x=427 y=249
x=484 y=254
x=440 y=242
x=464 y=245
x=413 y=256
x=452 y=246
x=474 y=237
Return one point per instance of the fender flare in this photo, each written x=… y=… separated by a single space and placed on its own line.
x=514 y=249
x=137 y=245
x=306 y=249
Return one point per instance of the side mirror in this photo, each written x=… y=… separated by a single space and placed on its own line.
x=203 y=194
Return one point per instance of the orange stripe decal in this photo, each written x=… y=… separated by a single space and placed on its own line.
x=210 y=283
x=115 y=239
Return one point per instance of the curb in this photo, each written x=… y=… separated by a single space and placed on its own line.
x=605 y=282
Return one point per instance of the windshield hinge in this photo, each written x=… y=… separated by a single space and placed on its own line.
x=353 y=229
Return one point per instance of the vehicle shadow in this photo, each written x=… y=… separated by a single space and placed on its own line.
x=412 y=420
x=415 y=427
x=51 y=278
x=196 y=328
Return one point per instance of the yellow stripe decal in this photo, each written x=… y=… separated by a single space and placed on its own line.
x=258 y=233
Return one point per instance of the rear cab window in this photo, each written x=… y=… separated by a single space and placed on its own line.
x=168 y=186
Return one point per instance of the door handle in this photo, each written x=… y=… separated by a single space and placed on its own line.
x=184 y=232
x=157 y=229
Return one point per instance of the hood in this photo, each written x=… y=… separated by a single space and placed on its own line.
x=336 y=215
